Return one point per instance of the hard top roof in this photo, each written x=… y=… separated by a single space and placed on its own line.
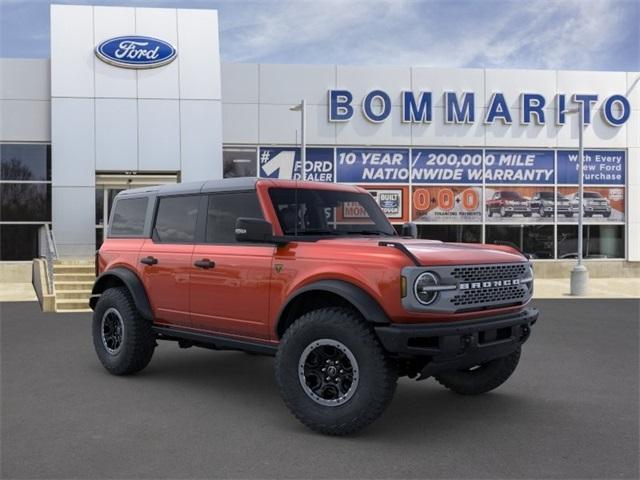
x=228 y=185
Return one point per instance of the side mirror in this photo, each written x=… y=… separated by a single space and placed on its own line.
x=409 y=229
x=254 y=230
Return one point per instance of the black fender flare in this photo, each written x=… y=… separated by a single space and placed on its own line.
x=133 y=284
x=368 y=307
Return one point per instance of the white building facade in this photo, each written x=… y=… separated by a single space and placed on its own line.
x=471 y=155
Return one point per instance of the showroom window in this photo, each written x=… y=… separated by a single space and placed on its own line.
x=451 y=233
x=25 y=198
x=239 y=162
x=599 y=241
x=533 y=240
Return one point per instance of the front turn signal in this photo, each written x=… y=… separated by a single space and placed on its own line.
x=403 y=286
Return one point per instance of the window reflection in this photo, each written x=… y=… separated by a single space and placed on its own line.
x=24 y=162
x=25 y=202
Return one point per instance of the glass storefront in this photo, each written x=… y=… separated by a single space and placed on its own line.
x=25 y=198
x=523 y=198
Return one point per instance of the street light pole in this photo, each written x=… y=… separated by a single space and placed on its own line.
x=579 y=273
x=303 y=139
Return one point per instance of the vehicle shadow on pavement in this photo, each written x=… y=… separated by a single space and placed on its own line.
x=223 y=376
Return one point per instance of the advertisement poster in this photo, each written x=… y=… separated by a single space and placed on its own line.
x=510 y=167
x=601 y=167
x=601 y=204
x=447 y=203
x=392 y=201
x=372 y=165
x=446 y=166
x=285 y=164
x=522 y=204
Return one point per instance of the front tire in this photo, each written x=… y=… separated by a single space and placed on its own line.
x=122 y=338
x=480 y=379
x=332 y=372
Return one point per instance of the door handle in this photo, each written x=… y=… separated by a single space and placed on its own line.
x=149 y=260
x=204 y=263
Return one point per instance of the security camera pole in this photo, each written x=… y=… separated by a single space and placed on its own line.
x=579 y=273
x=303 y=141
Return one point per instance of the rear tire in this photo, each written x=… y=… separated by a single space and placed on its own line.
x=482 y=379
x=122 y=338
x=346 y=402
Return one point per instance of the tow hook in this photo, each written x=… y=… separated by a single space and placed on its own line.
x=466 y=342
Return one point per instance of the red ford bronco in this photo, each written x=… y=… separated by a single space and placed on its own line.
x=316 y=275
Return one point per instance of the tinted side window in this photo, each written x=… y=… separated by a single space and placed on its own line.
x=224 y=210
x=128 y=217
x=176 y=219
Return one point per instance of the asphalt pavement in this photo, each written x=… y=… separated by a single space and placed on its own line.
x=571 y=410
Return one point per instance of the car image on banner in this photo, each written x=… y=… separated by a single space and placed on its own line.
x=509 y=204
x=600 y=204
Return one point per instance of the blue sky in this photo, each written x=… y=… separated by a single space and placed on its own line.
x=546 y=34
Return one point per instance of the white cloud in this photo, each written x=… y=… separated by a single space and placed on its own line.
x=534 y=34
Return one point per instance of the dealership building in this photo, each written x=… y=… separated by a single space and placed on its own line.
x=470 y=155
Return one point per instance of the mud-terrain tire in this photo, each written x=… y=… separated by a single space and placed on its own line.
x=373 y=377
x=122 y=338
x=482 y=379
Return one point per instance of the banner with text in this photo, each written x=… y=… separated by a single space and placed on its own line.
x=447 y=203
x=508 y=167
x=372 y=165
x=285 y=164
x=392 y=200
x=443 y=165
x=600 y=167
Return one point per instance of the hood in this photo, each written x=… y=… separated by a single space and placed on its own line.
x=434 y=252
x=443 y=253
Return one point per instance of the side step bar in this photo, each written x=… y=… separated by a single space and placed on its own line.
x=215 y=342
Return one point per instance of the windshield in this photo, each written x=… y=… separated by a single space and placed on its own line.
x=592 y=195
x=328 y=212
x=547 y=195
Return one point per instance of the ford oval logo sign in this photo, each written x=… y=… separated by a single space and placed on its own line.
x=136 y=52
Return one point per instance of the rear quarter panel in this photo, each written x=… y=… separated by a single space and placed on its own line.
x=120 y=252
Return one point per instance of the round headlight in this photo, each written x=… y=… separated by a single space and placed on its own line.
x=423 y=288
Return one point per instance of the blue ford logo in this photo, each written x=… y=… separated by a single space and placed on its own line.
x=136 y=52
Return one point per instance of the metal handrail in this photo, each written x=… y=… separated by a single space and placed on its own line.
x=50 y=254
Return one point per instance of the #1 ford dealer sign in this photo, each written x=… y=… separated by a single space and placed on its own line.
x=136 y=52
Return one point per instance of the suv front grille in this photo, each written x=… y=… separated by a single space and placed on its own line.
x=486 y=292
x=481 y=273
x=513 y=294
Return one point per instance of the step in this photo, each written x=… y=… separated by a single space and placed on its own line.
x=87 y=269
x=71 y=304
x=73 y=310
x=75 y=261
x=74 y=277
x=73 y=285
x=76 y=294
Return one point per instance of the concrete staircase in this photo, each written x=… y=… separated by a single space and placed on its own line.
x=72 y=280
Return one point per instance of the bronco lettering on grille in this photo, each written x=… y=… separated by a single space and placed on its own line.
x=488 y=284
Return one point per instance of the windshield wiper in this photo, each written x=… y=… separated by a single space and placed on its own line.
x=320 y=232
x=367 y=232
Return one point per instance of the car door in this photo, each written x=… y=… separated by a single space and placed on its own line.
x=165 y=259
x=230 y=281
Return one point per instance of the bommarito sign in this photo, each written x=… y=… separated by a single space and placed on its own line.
x=461 y=107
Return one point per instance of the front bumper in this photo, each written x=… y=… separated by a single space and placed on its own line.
x=461 y=344
x=597 y=209
x=517 y=209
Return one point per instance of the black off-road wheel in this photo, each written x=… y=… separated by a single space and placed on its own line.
x=332 y=372
x=122 y=338
x=481 y=378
